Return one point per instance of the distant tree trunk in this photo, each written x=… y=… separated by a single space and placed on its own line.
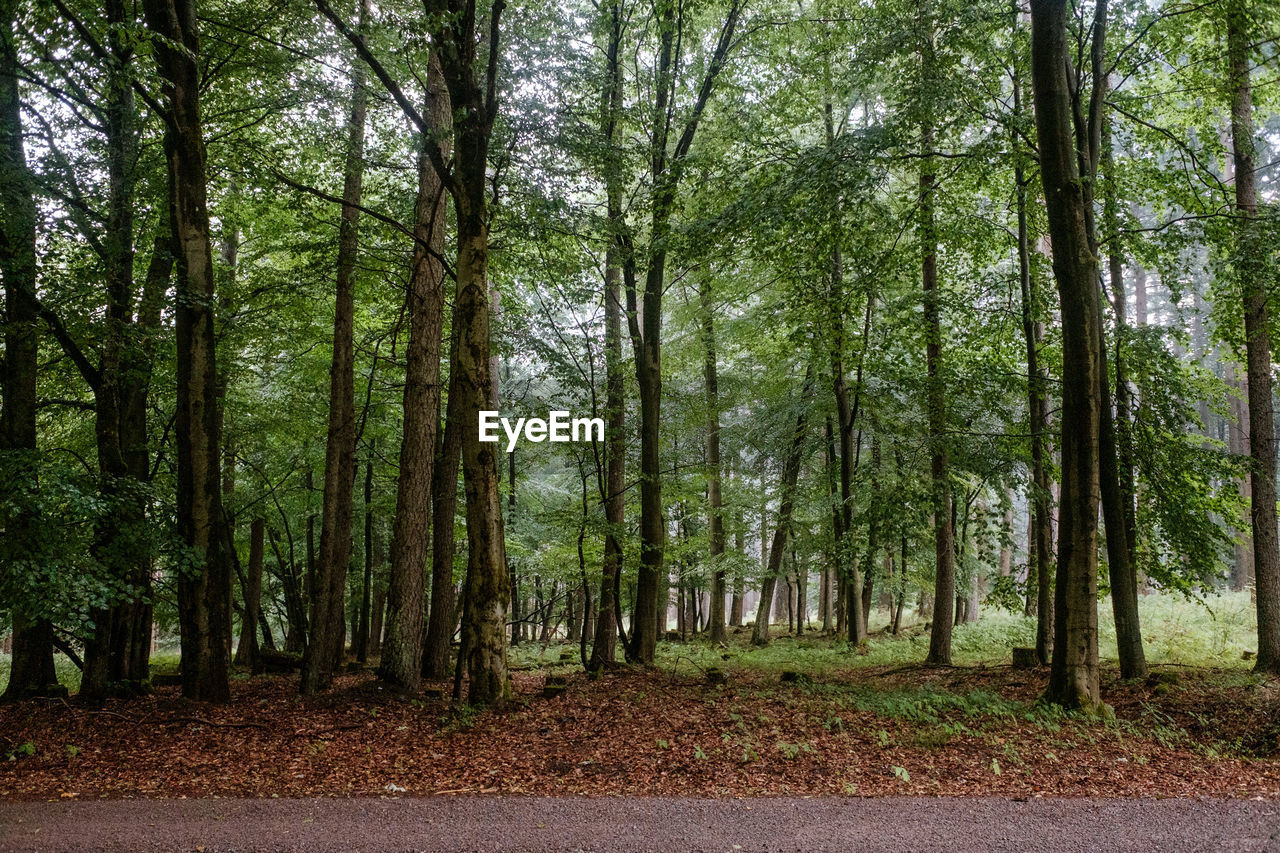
x=716 y=536
x=1250 y=263
x=444 y=507
x=1238 y=446
x=361 y=636
x=1074 y=675
x=1115 y=469
x=328 y=624
x=401 y=663
x=376 y=619
x=204 y=595
x=786 y=501
x=517 y=617
x=1039 y=498
x=739 y=547
x=873 y=534
x=247 y=651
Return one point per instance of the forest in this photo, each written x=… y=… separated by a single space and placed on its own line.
x=823 y=396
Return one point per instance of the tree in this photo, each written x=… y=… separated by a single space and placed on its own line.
x=32 y=671
x=204 y=590
x=1253 y=276
x=1074 y=674
x=325 y=651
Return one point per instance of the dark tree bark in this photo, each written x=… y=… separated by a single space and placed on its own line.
x=443 y=616
x=1250 y=262
x=32 y=672
x=361 y=638
x=1040 y=498
x=1116 y=463
x=328 y=602
x=402 y=645
x=715 y=501
x=247 y=650
x=944 y=590
x=666 y=166
x=786 y=502
x=204 y=591
x=1074 y=673
x=609 y=625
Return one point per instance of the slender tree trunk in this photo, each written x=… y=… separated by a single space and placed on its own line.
x=361 y=638
x=401 y=663
x=945 y=583
x=444 y=506
x=790 y=474
x=1250 y=267
x=247 y=651
x=716 y=535
x=1115 y=465
x=204 y=594
x=328 y=624
x=1074 y=675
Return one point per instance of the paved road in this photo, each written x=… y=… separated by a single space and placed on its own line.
x=666 y=824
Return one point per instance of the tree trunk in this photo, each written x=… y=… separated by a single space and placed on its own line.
x=204 y=593
x=945 y=583
x=247 y=651
x=1115 y=468
x=1250 y=263
x=444 y=506
x=1074 y=675
x=790 y=474
x=401 y=663
x=361 y=634
x=328 y=625
x=716 y=535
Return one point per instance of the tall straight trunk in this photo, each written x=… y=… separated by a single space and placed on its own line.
x=1074 y=675
x=739 y=547
x=377 y=617
x=1238 y=445
x=608 y=620
x=488 y=586
x=873 y=535
x=204 y=592
x=328 y=624
x=444 y=506
x=1040 y=498
x=716 y=536
x=608 y=625
x=401 y=663
x=247 y=650
x=786 y=503
x=1115 y=469
x=361 y=634
x=517 y=617
x=944 y=590
x=1250 y=261
x=32 y=672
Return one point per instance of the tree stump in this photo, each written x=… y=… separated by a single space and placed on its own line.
x=554 y=686
x=1025 y=658
x=715 y=675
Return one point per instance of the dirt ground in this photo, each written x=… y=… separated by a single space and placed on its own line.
x=866 y=732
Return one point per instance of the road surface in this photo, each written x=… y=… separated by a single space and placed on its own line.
x=497 y=823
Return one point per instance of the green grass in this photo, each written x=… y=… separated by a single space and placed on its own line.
x=1176 y=631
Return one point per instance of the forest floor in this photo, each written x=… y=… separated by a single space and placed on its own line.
x=842 y=724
